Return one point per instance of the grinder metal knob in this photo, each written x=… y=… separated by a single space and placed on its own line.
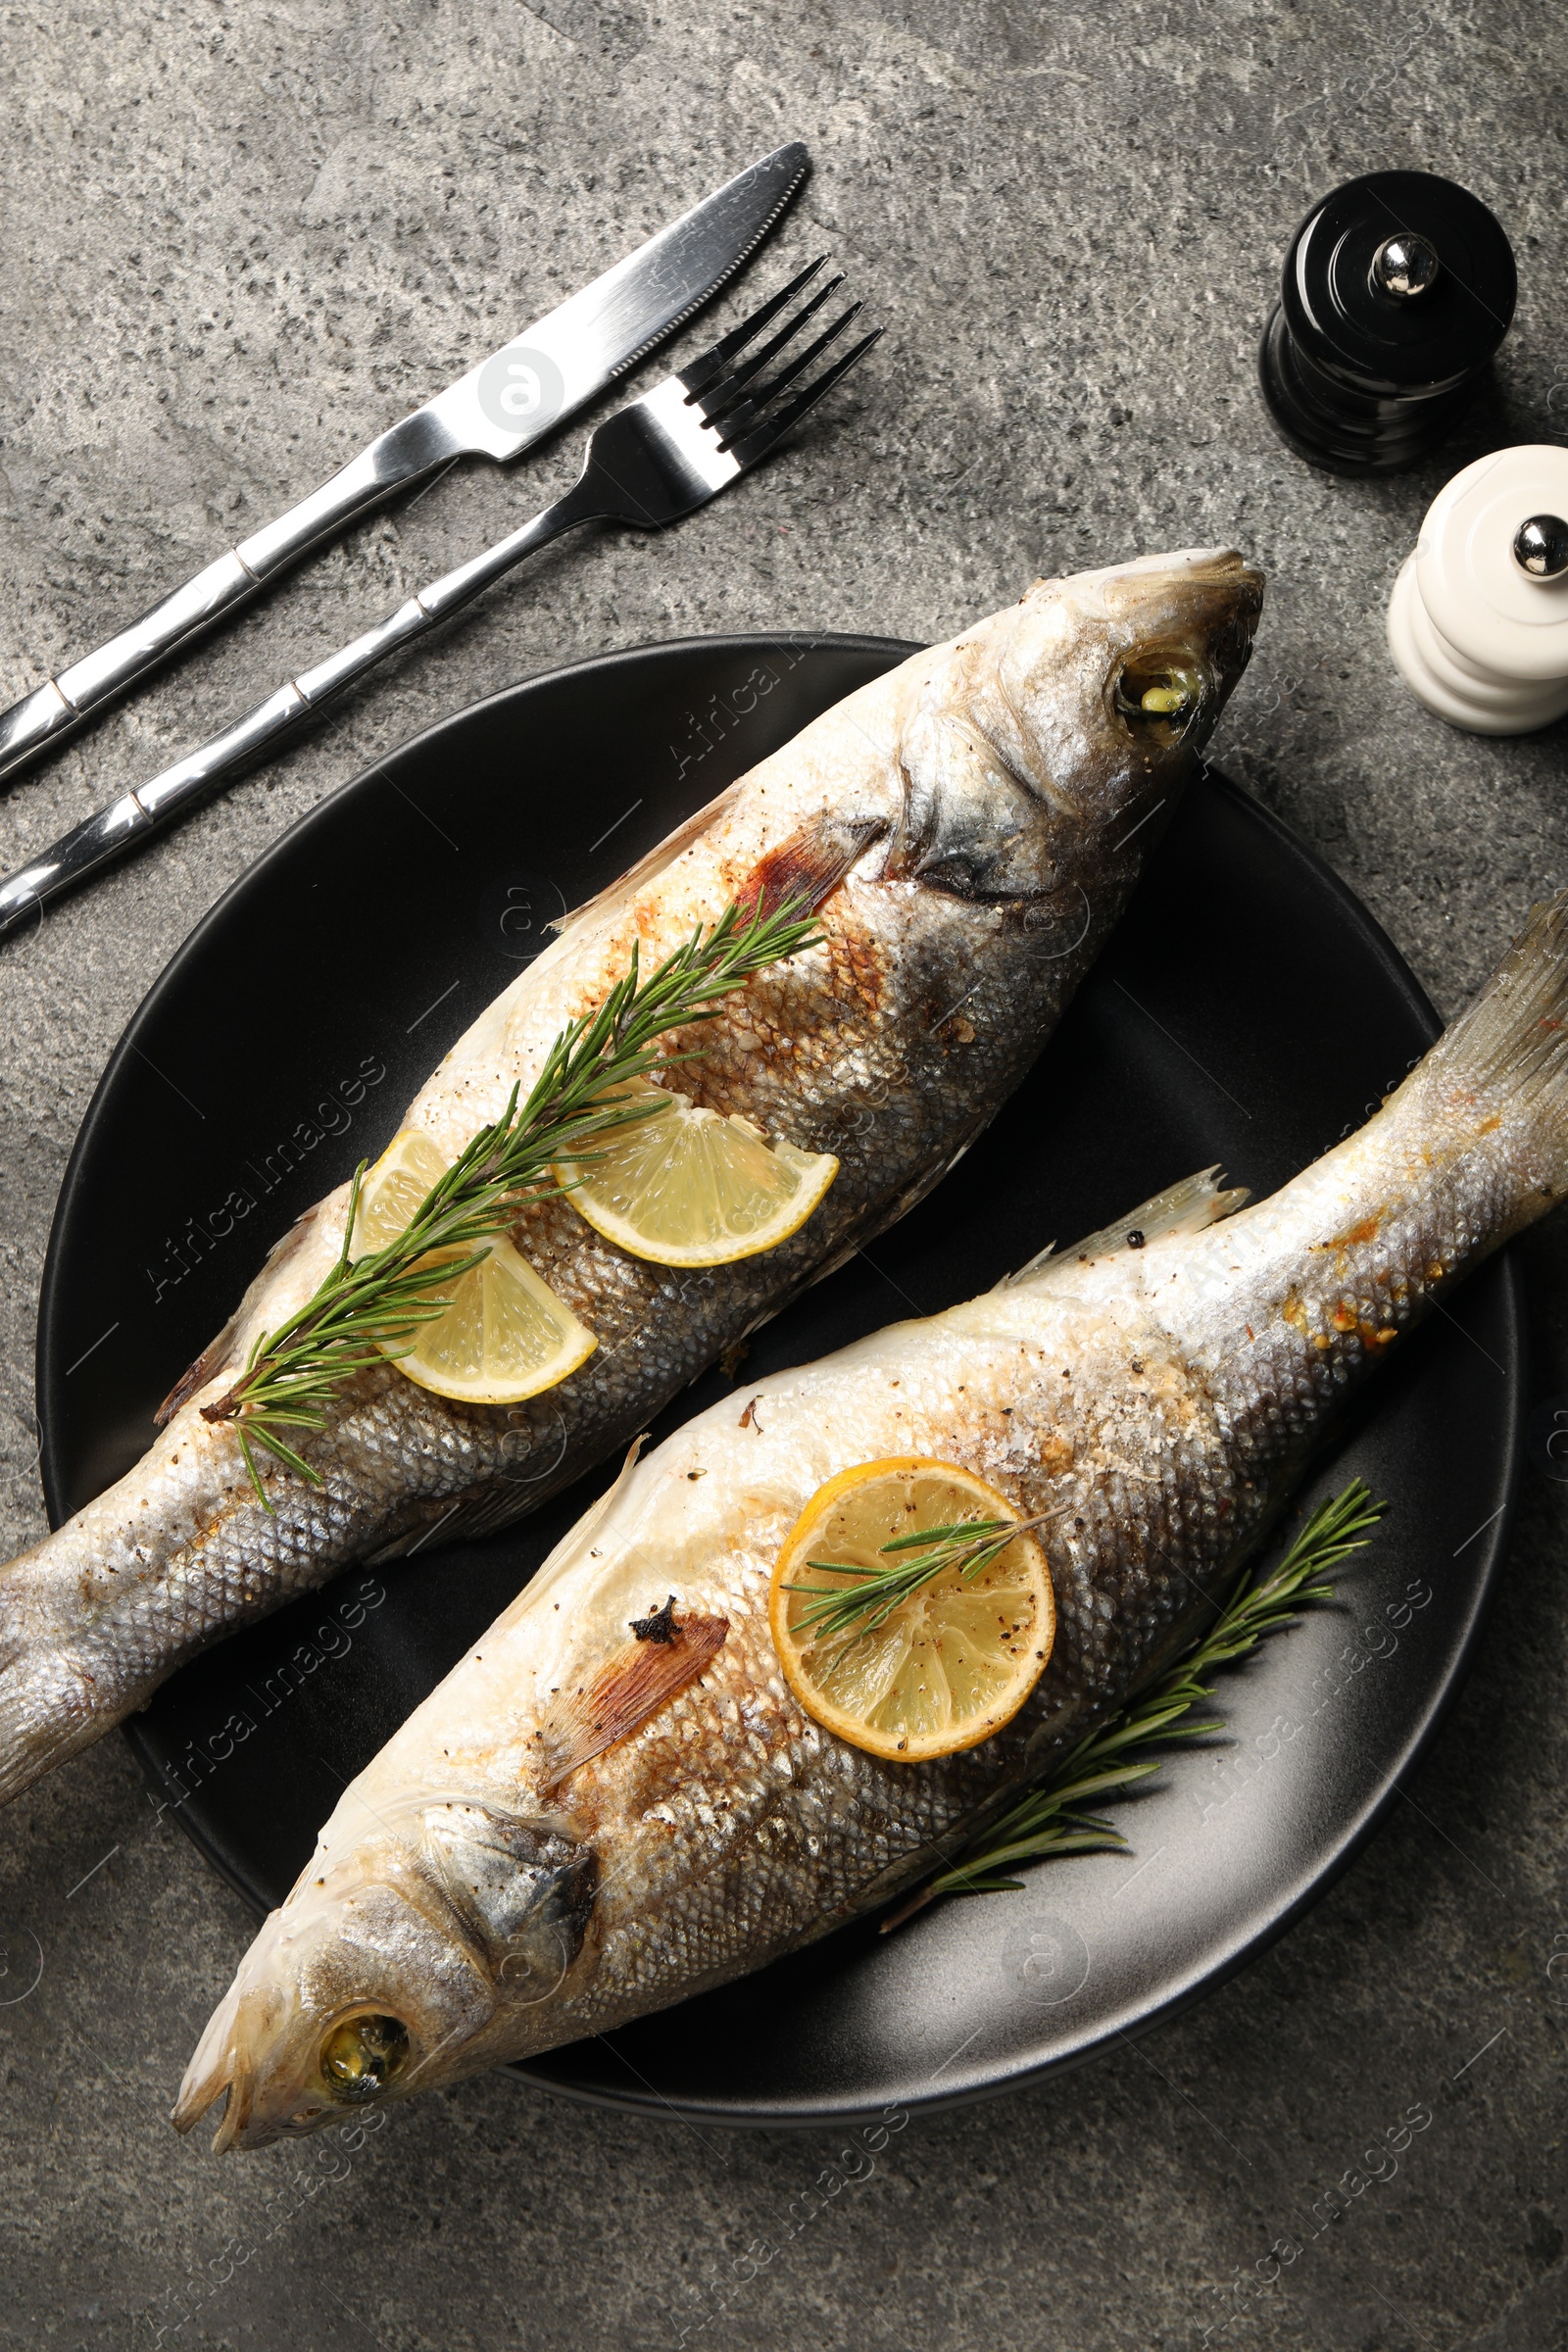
x=1397 y=289
x=1405 y=267
x=1540 y=545
x=1478 y=621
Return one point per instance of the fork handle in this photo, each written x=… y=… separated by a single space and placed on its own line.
x=111 y=831
x=412 y=449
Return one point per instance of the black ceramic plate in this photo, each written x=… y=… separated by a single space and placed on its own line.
x=1248 y=1011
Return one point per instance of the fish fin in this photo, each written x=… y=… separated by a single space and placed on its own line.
x=1496 y=1080
x=640 y=1679
x=498 y=1508
x=487 y=1513
x=492 y=1509
x=1510 y=1050
x=808 y=868
x=1185 y=1207
x=1027 y=1271
x=213 y=1359
x=573 y=1544
x=648 y=869
x=219 y=1354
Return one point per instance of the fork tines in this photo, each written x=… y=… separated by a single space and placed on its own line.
x=739 y=410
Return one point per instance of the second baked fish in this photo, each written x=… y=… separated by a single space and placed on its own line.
x=601 y=1811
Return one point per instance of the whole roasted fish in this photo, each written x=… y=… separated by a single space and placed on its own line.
x=499 y=1879
x=970 y=826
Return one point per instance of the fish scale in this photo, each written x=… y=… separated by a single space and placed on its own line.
x=983 y=883
x=1155 y=1389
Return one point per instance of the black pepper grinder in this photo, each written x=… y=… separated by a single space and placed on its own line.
x=1397 y=289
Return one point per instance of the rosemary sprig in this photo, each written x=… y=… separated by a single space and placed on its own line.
x=969 y=1545
x=366 y=1306
x=1050 y=1818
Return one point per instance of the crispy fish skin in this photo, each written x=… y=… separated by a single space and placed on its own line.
x=969 y=825
x=1159 y=1388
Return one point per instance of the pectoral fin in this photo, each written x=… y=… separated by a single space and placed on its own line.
x=808 y=868
x=639 y=1680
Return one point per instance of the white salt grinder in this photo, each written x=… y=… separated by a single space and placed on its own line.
x=1478 y=622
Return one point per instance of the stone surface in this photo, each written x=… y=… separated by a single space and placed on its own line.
x=236 y=240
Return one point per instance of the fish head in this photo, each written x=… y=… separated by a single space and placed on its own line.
x=1071 y=718
x=1119 y=676
x=1195 y=609
x=385 y=1972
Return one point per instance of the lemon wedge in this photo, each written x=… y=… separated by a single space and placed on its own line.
x=686 y=1187
x=953 y=1661
x=505 y=1335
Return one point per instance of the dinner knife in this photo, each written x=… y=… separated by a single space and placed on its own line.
x=498 y=410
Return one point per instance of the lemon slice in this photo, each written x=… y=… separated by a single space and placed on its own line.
x=955 y=1660
x=686 y=1187
x=505 y=1335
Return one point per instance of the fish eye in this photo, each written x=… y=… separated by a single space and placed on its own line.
x=1160 y=693
x=362 y=2054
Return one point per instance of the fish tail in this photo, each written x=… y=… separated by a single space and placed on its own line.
x=1498 y=1079
x=1325 y=1275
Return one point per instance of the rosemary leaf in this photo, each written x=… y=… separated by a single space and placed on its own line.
x=1046 y=1820
x=843 y=1611
x=367 y=1305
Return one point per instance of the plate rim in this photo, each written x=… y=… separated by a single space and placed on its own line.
x=998 y=2078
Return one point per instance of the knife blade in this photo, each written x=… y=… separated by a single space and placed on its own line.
x=496 y=411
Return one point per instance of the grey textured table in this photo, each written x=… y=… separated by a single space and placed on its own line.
x=234 y=241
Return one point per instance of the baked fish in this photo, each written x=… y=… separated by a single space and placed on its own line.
x=969 y=827
x=480 y=1893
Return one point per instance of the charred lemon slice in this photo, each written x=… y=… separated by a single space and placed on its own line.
x=506 y=1333
x=898 y=1657
x=686 y=1187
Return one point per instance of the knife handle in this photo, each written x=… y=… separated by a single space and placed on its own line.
x=414 y=448
x=130 y=820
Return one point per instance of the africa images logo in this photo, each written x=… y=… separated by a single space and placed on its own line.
x=521 y=390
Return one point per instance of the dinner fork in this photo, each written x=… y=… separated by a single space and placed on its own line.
x=659 y=459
